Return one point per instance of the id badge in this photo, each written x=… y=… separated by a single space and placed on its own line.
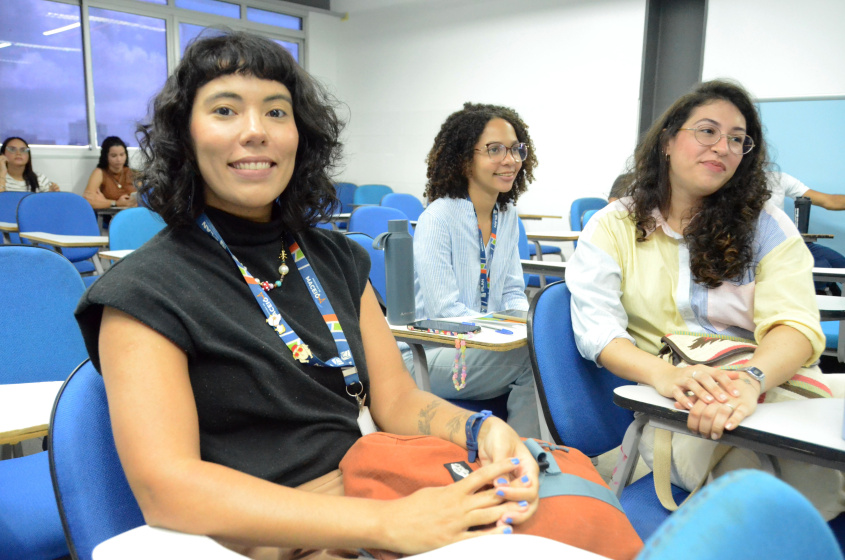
x=365 y=421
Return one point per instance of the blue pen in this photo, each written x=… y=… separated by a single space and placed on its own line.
x=500 y=331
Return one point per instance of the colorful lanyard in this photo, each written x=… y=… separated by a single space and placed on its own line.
x=485 y=273
x=297 y=347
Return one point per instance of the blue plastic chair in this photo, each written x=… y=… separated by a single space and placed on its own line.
x=407 y=203
x=42 y=343
x=94 y=498
x=531 y=280
x=131 y=228
x=586 y=217
x=372 y=220
x=42 y=340
x=581 y=205
x=62 y=213
x=346 y=195
x=744 y=514
x=370 y=194
x=378 y=276
x=577 y=399
x=9 y=210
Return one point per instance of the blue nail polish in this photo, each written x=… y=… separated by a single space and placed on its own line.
x=508 y=530
x=515 y=461
x=500 y=493
x=523 y=504
x=524 y=478
x=508 y=520
x=501 y=481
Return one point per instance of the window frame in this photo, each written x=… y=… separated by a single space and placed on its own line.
x=172 y=17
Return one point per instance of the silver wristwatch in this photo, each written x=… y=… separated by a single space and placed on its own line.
x=757 y=374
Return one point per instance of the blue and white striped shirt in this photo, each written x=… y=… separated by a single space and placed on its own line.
x=447 y=262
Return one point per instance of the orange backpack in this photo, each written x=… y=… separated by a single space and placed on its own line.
x=576 y=505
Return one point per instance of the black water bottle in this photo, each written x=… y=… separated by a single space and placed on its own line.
x=802 y=213
x=398 y=248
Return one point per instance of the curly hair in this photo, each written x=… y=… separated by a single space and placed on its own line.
x=720 y=235
x=29 y=176
x=171 y=181
x=450 y=159
x=108 y=144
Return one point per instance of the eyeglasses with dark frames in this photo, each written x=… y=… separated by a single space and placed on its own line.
x=709 y=135
x=498 y=151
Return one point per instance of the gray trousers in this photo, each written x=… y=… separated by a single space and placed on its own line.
x=489 y=374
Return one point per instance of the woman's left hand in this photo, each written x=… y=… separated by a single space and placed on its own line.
x=54 y=187
x=710 y=420
x=496 y=441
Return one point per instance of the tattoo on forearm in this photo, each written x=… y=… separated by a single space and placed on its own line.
x=455 y=425
x=426 y=415
x=747 y=381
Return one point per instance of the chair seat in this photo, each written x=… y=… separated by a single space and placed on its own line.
x=30 y=527
x=643 y=508
x=547 y=250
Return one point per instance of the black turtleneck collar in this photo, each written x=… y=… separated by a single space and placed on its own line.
x=240 y=231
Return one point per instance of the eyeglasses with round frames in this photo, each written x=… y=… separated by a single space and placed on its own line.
x=14 y=150
x=498 y=151
x=708 y=135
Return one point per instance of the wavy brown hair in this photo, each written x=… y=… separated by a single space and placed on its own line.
x=450 y=159
x=720 y=236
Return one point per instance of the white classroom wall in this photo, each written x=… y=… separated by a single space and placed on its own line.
x=570 y=68
x=789 y=49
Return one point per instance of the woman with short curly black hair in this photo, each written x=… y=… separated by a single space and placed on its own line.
x=251 y=348
x=695 y=246
x=466 y=255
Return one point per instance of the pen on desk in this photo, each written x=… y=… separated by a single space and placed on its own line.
x=500 y=331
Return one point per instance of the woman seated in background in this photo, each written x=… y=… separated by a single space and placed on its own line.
x=112 y=183
x=16 y=172
x=250 y=395
x=695 y=246
x=466 y=253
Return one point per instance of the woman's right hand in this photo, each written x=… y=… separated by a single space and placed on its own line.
x=689 y=384
x=434 y=517
x=125 y=201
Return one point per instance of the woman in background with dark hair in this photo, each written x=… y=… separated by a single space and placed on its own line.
x=243 y=350
x=696 y=247
x=466 y=253
x=16 y=172
x=112 y=183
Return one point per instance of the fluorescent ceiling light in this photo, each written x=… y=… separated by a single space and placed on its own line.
x=4 y=44
x=60 y=29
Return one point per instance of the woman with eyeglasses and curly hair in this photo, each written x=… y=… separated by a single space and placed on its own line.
x=695 y=246
x=16 y=172
x=466 y=255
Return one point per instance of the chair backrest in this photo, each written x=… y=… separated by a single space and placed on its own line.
x=581 y=205
x=9 y=209
x=407 y=203
x=586 y=217
x=754 y=514
x=372 y=220
x=346 y=195
x=378 y=276
x=41 y=340
x=524 y=253
x=62 y=213
x=577 y=396
x=133 y=227
x=94 y=498
x=370 y=194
